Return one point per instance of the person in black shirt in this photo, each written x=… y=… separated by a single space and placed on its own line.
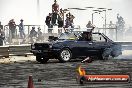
x=33 y=34
x=86 y=36
x=12 y=27
x=48 y=22
x=1 y=26
x=2 y=37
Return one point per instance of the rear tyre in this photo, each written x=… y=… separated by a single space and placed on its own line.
x=103 y=58
x=106 y=53
x=65 y=55
x=41 y=59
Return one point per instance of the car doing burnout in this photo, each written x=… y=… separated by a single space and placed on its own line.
x=73 y=45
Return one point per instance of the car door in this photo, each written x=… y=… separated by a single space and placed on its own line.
x=82 y=48
x=99 y=42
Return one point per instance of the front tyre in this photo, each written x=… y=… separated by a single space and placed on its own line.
x=65 y=55
x=41 y=59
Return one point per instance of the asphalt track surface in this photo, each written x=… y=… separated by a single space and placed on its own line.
x=15 y=71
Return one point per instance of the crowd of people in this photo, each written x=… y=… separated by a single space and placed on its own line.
x=57 y=18
x=33 y=34
x=9 y=32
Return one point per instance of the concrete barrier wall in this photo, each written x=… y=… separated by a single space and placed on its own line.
x=15 y=50
x=4 y=51
x=19 y=49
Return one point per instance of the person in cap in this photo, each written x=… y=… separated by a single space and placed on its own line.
x=21 y=29
x=33 y=34
x=86 y=36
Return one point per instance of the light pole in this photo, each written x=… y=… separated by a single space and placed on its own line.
x=105 y=10
x=92 y=13
x=95 y=11
x=92 y=16
x=38 y=11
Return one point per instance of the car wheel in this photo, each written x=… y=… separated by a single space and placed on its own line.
x=38 y=58
x=82 y=80
x=106 y=53
x=103 y=58
x=41 y=59
x=65 y=55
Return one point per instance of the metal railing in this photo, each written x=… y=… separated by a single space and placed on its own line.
x=17 y=39
x=9 y=40
x=55 y=31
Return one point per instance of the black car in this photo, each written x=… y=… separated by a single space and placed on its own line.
x=76 y=45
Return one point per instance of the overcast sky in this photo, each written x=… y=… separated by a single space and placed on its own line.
x=27 y=10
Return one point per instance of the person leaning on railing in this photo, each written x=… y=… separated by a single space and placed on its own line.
x=12 y=27
x=90 y=26
x=1 y=26
x=21 y=29
x=2 y=37
x=33 y=34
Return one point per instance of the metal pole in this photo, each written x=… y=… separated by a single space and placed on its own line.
x=116 y=33
x=105 y=22
x=92 y=18
x=63 y=18
x=38 y=10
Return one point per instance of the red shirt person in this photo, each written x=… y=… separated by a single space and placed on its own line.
x=55 y=11
x=55 y=7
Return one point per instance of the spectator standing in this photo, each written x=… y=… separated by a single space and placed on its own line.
x=120 y=27
x=12 y=28
x=21 y=29
x=39 y=37
x=55 y=7
x=33 y=34
x=55 y=10
x=69 y=21
x=90 y=26
x=2 y=37
x=60 y=21
x=48 y=23
x=111 y=31
x=1 y=26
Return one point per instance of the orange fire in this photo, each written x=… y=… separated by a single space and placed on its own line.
x=81 y=71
